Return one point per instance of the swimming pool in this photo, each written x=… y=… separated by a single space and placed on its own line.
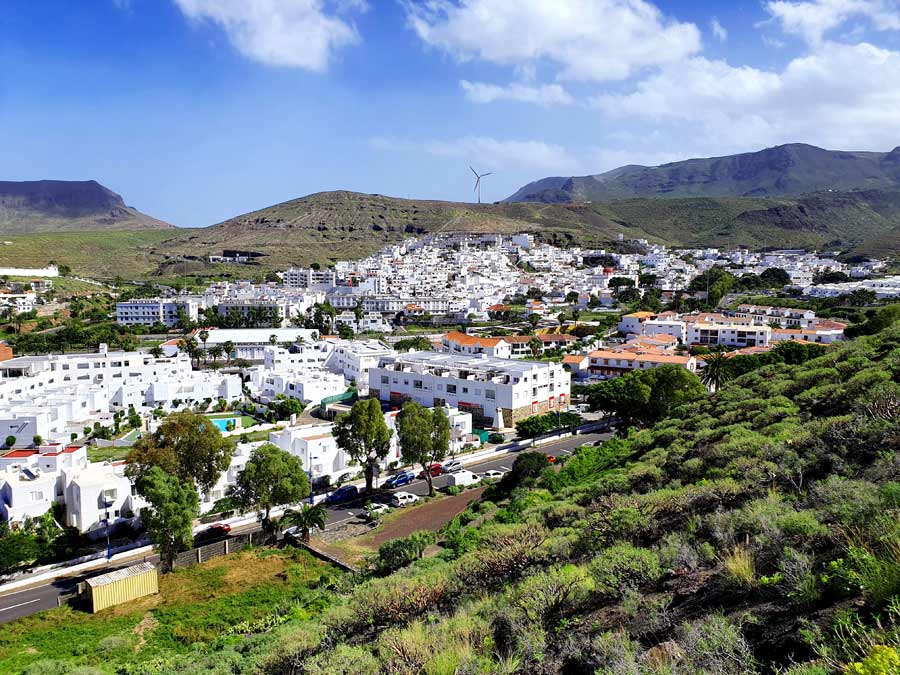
x=222 y=422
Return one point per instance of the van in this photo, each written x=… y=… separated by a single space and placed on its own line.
x=462 y=478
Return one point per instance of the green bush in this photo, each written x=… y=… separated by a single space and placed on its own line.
x=397 y=553
x=625 y=566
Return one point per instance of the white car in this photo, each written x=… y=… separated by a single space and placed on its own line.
x=403 y=499
x=374 y=511
x=493 y=474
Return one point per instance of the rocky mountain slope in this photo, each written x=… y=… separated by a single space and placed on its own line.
x=67 y=206
x=785 y=170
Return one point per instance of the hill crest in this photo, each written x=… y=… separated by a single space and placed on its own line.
x=789 y=170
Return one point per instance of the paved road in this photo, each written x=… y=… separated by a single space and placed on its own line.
x=33 y=600
x=502 y=461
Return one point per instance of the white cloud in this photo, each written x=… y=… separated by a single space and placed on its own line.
x=292 y=33
x=542 y=94
x=811 y=19
x=590 y=40
x=718 y=30
x=489 y=153
x=812 y=100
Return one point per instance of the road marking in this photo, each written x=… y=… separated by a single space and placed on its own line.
x=21 y=604
x=505 y=468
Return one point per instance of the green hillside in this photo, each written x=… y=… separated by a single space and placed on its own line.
x=751 y=531
x=786 y=170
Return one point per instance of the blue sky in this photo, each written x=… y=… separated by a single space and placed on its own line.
x=199 y=110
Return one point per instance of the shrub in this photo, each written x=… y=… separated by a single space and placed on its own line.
x=740 y=566
x=496 y=438
x=881 y=660
x=715 y=645
x=544 y=597
x=397 y=553
x=625 y=566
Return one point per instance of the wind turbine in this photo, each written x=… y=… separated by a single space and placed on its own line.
x=478 y=181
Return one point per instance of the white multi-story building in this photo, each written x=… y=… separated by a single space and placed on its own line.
x=497 y=392
x=55 y=395
x=728 y=334
x=149 y=311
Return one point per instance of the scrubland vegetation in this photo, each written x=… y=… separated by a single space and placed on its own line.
x=752 y=530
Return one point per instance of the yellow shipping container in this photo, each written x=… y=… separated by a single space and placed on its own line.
x=124 y=585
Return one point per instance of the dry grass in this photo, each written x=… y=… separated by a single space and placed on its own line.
x=740 y=566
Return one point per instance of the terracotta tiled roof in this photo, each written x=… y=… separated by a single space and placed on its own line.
x=471 y=340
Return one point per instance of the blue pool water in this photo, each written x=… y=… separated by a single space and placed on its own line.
x=222 y=422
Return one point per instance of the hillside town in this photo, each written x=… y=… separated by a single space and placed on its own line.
x=487 y=348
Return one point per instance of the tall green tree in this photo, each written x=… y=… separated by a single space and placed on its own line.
x=424 y=437
x=187 y=445
x=646 y=396
x=173 y=504
x=271 y=477
x=363 y=434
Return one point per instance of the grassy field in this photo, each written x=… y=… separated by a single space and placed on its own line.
x=91 y=253
x=107 y=454
x=195 y=607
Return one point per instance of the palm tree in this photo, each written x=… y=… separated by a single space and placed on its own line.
x=216 y=352
x=308 y=517
x=228 y=347
x=718 y=370
x=204 y=336
x=156 y=351
x=576 y=313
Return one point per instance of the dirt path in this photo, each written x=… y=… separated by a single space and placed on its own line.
x=430 y=516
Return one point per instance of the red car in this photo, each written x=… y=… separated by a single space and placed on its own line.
x=212 y=533
x=435 y=470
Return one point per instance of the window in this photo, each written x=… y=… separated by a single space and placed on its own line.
x=451 y=389
x=384 y=379
x=36 y=496
x=490 y=393
x=417 y=384
x=465 y=390
x=110 y=495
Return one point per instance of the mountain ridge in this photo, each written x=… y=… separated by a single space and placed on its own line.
x=28 y=207
x=788 y=170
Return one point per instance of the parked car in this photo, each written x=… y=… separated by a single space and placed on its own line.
x=295 y=533
x=493 y=474
x=398 y=479
x=463 y=478
x=403 y=499
x=374 y=511
x=212 y=533
x=435 y=469
x=342 y=494
x=452 y=466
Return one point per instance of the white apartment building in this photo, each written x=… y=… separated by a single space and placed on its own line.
x=307 y=386
x=149 y=311
x=633 y=324
x=497 y=392
x=354 y=359
x=305 y=277
x=728 y=334
x=55 y=395
x=819 y=335
x=786 y=316
x=98 y=493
